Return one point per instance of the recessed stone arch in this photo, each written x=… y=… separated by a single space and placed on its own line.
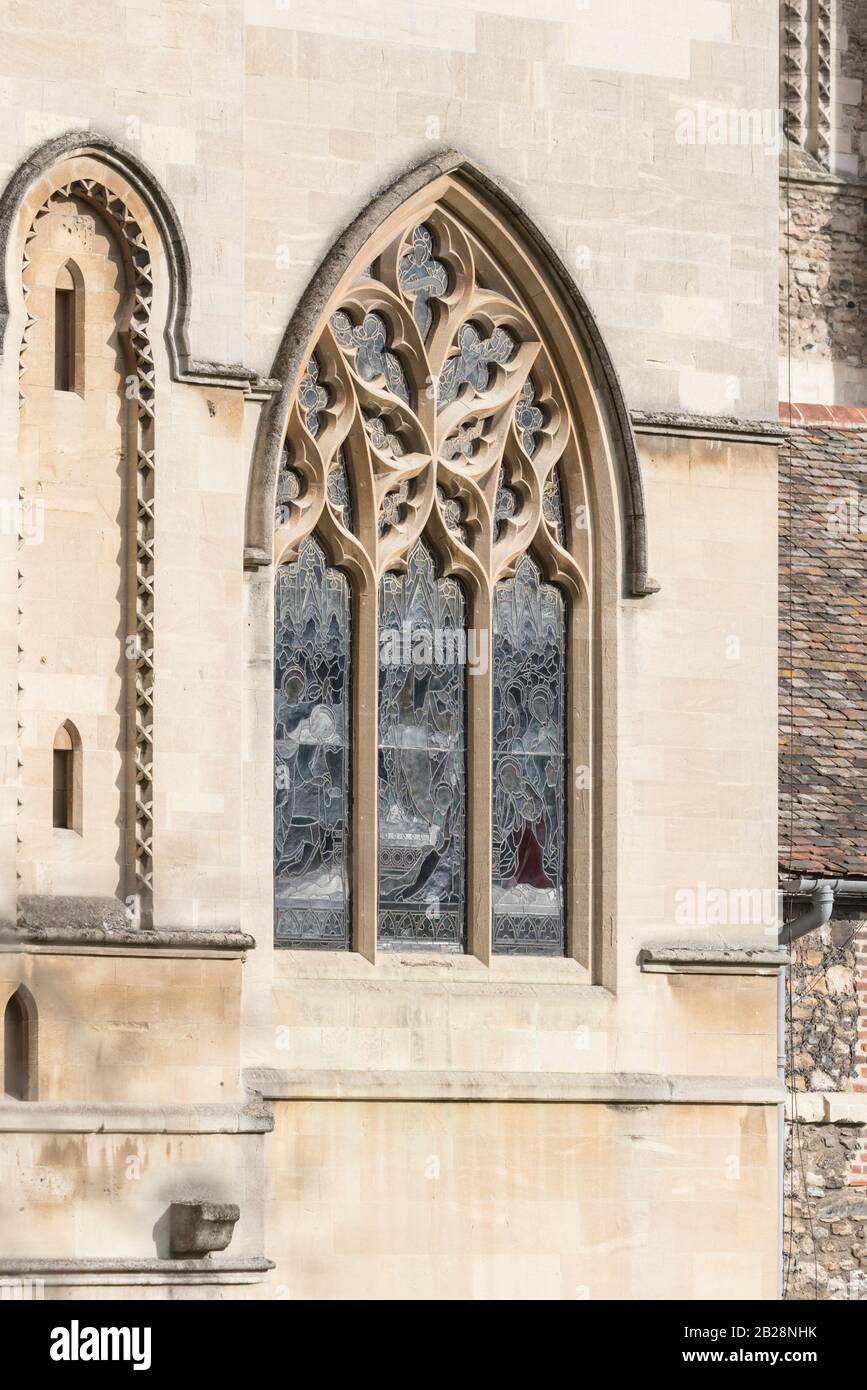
x=466 y=403
x=21 y=1046
x=137 y=184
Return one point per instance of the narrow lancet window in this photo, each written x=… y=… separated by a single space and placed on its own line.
x=529 y=765
x=66 y=779
x=422 y=759
x=311 y=743
x=67 y=327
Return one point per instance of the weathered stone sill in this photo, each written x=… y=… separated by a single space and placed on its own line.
x=587 y=1088
x=115 y=1272
x=711 y=960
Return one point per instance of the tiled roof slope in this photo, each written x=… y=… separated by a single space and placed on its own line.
x=823 y=651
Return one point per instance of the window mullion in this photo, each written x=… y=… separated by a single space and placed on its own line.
x=364 y=773
x=479 y=774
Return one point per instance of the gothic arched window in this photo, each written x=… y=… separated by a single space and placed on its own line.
x=433 y=605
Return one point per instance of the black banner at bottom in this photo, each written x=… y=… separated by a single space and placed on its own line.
x=172 y=1338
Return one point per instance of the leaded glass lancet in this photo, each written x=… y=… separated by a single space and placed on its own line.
x=529 y=752
x=422 y=760
x=311 y=748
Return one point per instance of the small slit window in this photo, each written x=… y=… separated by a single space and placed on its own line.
x=19 y=1046
x=66 y=779
x=68 y=330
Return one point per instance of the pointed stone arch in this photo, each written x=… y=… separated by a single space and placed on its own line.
x=137 y=181
x=90 y=175
x=605 y=418
x=444 y=373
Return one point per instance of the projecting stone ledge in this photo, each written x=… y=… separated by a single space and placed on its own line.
x=117 y=1117
x=566 y=1088
x=80 y=923
x=120 y=1272
x=711 y=960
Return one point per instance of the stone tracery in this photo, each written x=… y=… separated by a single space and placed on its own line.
x=431 y=400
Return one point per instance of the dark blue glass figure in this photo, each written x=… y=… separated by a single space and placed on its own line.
x=338 y=490
x=422 y=278
x=471 y=364
x=552 y=505
x=368 y=344
x=528 y=417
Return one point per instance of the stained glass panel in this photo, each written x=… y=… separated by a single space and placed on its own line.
x=422 y=278
x=339 y=494
x=422 y=761
x=505 y=503
x=529 y=765
x=471 y=364
x=311 y=752
x=552 y=505
x=368 y=344
x=528 y=417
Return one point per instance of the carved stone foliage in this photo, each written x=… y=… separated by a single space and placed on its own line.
x=430 y=448
x=140 y=388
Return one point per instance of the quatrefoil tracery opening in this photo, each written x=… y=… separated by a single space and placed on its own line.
x=430 y=386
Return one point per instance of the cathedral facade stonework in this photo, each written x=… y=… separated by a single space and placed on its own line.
x=335 y=968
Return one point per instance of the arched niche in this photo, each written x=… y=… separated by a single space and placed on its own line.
x=20 y=1046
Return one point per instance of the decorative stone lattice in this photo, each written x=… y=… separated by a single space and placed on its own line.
x=806 y=74
x=793 y=69
x=140 y=387
x=823 y=80
x=421 y=384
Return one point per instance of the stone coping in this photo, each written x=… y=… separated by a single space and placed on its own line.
x=53 y=1273
x=820 y=178
x=568 y=1088
x=731 y=427
x=111 y=1117
x=711 y=960
x=76 y=939
x=63 y=920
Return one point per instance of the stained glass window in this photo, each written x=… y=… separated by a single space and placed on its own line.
x=422 y=762
x=311 y=747
x=529 y=764
x=429 y=428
